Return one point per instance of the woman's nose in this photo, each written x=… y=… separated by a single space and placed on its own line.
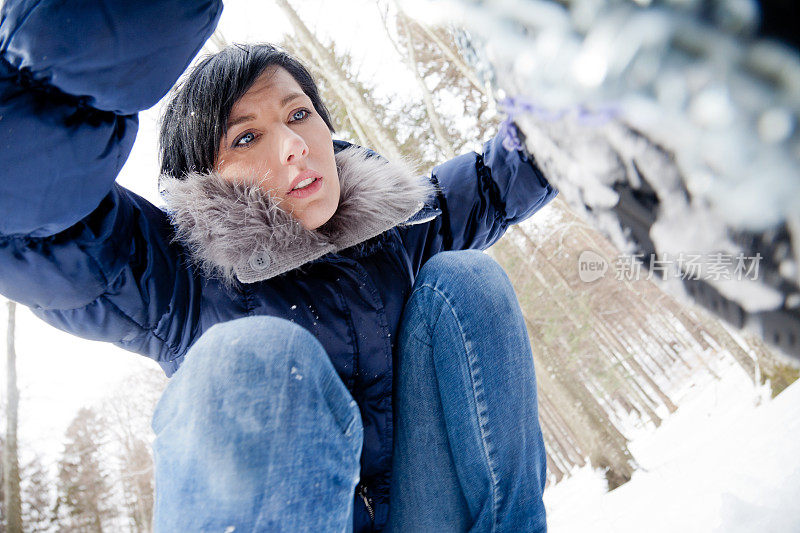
x=294 y=148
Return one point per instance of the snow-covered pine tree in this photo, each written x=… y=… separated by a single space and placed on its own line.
x=84 y=493
x=36 y=494
x=129 y=436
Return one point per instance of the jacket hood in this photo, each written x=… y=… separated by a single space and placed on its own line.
x=234 y=230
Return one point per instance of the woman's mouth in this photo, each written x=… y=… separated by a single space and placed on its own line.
x=306 y=187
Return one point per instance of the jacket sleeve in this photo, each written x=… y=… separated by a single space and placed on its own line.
x=73 y=75
x=479 y=196
x=85 y=254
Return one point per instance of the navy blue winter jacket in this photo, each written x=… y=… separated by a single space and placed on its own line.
x=96 y=260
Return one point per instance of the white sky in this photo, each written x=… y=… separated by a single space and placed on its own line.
x=59 y=373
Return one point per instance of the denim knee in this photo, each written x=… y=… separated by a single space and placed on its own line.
x=471 y=273
x=250 y=359
x=468 y=262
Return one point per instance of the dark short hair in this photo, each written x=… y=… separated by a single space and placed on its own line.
x=195 y=118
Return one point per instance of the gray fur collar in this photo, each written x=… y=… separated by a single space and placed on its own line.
x=235 y=231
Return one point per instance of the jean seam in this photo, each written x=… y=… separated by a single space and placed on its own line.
x=480 y=405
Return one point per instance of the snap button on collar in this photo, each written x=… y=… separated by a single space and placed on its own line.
x=259 y=261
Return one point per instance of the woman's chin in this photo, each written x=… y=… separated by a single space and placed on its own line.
x=317 y=219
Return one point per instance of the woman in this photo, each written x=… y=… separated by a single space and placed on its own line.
x=336 y=361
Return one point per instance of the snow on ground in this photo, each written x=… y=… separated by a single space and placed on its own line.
x=727 y=461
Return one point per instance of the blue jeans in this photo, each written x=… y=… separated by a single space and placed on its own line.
x=284 y=454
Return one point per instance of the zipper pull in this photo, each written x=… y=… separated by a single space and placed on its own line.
x=362 y=491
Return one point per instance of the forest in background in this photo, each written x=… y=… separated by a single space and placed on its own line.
x=612 y=356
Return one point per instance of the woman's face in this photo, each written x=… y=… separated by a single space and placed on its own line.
x=276 y=138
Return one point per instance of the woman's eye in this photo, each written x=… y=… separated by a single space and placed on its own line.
x=300 y=114
x=244 y=140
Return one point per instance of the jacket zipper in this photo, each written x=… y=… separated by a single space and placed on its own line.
x=362 y=491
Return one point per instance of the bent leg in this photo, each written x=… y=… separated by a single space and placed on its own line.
x=469 y=453
x=256 y=432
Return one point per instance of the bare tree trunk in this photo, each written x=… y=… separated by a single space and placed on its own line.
x=11 y=491
x=427 y=97
x=362 y=136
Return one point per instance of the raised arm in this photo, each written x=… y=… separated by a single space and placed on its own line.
x=480 y=196
x=85 y=254
x=73 y=75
